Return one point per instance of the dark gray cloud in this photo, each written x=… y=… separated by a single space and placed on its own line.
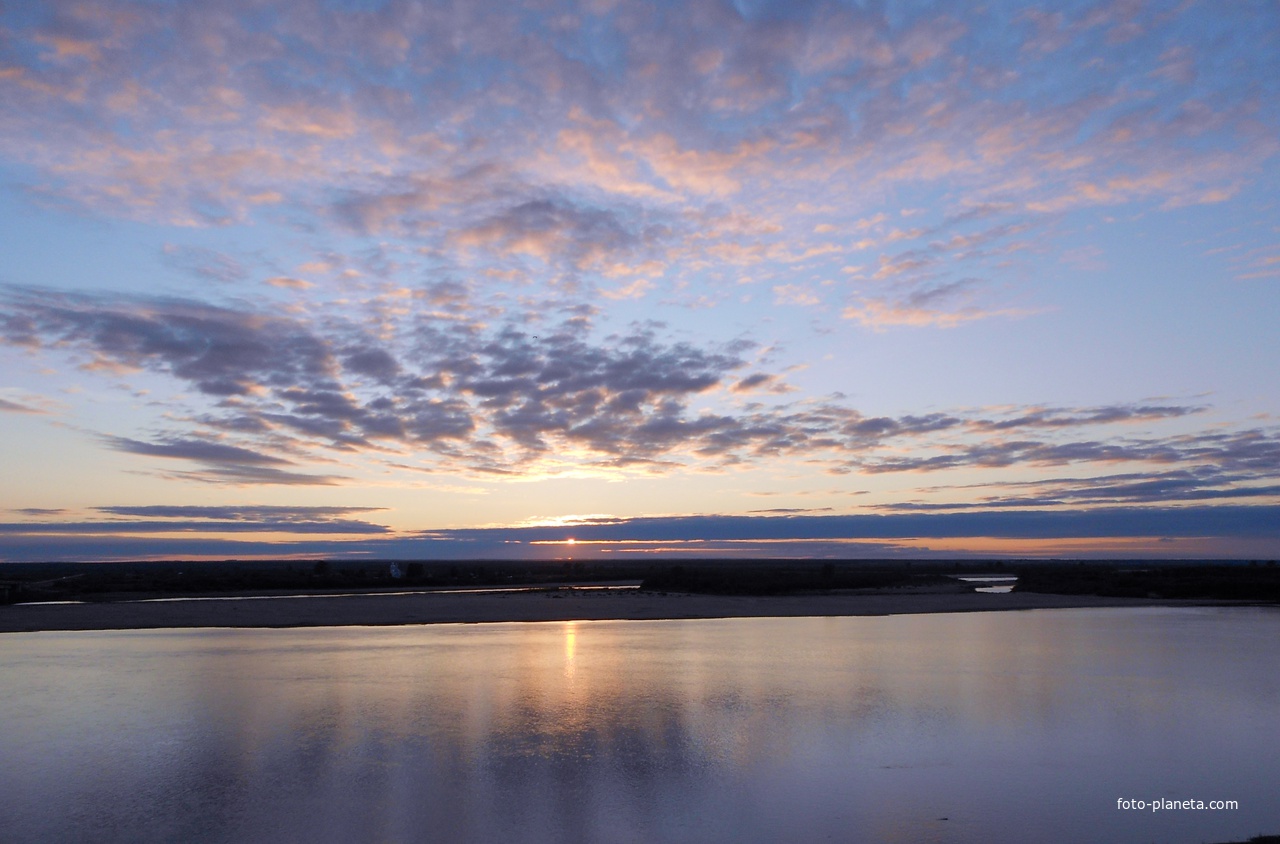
x=91 y=547
x=7 y=406
x=220 y=352
x=276 y=514
x=1201 y=484
x=1234 y=521
x=221 y=462
x=202 y=451
x=164 y=518
x=755 y=381
x=1255 y=450
x=125 y=527
x=1066 y=417
x=373 y=362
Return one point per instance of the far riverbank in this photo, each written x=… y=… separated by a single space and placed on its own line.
x=490 y=606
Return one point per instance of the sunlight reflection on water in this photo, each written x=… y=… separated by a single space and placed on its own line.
x=1011 y=726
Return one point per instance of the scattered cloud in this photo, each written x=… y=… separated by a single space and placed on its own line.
x=794 y=294
x=1169 y=487
x=222 y=463
x=545 y=148
x=289 y=283
x=132 y=527
x=280 y=392
x=7 y=406
x=205 y=264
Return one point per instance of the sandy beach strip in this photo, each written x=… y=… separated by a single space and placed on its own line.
x=480 y=607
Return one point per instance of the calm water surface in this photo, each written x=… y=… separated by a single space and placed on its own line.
x=1010 y=726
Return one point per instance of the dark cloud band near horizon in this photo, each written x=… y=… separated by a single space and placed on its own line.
x=858 y=535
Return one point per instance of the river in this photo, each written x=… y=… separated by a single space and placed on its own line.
x=966 y=727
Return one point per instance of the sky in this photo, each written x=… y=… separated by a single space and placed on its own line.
x=615 y=279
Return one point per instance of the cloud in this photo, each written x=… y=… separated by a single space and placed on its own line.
x=221 y=352
x=7 y=406
x=213 y=519
x=222 y=462
x=191 y=449
x=1254 y=450
x=761 y=382
x=1178 y=486
x=290 y=283
x=236 y=511
x=920 y=310
x=205 y=264
x=794 y=294
x=1047 y=417
x=557 y=231
x=122 y=527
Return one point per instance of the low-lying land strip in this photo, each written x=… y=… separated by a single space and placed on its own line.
x=565 y=604
x=289 y=594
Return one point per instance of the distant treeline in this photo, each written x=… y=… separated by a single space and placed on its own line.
x=786 y=579
x=122 y=580
x=119 y=580
x=109 y=581
x=1238 y=582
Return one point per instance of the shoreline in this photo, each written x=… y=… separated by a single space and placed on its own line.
x=382 y=609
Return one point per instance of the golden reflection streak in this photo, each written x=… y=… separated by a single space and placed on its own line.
x=570 y=647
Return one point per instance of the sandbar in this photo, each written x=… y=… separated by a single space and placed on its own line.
x=426 y=607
